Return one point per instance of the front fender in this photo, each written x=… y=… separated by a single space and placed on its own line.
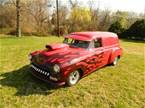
x=67 y=70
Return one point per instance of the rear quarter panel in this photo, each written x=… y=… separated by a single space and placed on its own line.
x=116 y=52
x=112 y=45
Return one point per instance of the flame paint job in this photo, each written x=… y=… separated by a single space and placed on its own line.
x=72 y=58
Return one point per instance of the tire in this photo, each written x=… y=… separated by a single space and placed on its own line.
x=73 y=78
x=115 y=61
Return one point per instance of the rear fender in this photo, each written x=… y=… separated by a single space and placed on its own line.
x=115 y=53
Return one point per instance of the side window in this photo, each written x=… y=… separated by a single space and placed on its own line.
x=97 y=43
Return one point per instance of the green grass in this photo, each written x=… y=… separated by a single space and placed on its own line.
x=121 y=86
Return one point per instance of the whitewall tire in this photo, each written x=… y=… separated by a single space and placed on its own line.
x=115 y=61
x=73 y=78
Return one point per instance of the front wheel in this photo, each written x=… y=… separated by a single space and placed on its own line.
x=73 y=78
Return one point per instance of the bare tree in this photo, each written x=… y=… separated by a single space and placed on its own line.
x=2 y=2
x=144 y=11
x=18 y=27
x=57 y=13
x=104 y=22
x=73 y=3
x=16 y=3
x=94 y=14
x=7 y=17
x=38 y=9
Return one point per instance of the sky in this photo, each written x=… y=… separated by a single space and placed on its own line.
x=124 y=5
x=114 y=5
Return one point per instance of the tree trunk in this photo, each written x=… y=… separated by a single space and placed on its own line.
x=58 y=30
x=18 y=26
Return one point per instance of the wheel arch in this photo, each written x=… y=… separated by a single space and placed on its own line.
x=81 y=72
x=113 y=54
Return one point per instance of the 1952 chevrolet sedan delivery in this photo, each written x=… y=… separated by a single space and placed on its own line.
x=80 y=53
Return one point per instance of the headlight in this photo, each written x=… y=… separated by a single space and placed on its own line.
x=30 y=56
x=56 y=68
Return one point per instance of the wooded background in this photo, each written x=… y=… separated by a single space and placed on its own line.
x=39 y=17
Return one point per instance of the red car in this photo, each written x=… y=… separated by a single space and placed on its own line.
x=80 y=54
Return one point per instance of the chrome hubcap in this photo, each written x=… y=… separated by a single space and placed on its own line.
x=74 y=77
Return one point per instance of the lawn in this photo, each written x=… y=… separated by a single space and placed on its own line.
x=121 y=86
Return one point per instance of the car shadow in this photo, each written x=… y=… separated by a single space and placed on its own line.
x=25 y=83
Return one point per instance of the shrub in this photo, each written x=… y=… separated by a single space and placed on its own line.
x=116 y=27
x=136 y=30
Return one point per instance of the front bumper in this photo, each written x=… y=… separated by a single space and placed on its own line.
x=45 y=76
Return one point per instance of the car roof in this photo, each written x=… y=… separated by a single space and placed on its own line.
x=89 y=36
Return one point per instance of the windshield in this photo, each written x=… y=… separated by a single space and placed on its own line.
x=76 y=43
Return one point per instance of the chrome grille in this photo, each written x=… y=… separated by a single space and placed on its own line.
x=39 y=70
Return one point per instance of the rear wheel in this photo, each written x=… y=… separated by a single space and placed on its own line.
x=115 y=61
x=73 y=78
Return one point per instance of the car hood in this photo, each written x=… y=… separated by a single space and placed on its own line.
x=62 y=53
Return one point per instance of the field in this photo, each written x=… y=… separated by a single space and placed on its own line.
x=121 y=86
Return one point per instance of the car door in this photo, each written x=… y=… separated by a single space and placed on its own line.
x=96 y=60
x=99 y=53
x=102 y=52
